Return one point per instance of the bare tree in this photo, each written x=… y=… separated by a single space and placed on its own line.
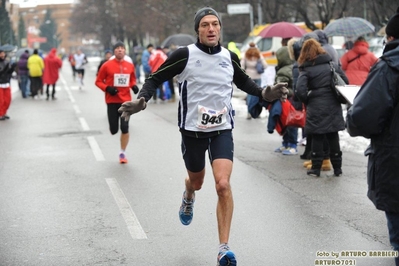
x=95 y=17
x=135 y=20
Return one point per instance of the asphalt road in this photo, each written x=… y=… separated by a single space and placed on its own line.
x=65 y=199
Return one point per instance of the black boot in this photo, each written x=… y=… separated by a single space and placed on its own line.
x=307 y=153
x=317 y=160
x=336 y=161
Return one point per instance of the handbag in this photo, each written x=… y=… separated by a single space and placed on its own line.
x=296 y=118
x=336 y=80
x=259 y=66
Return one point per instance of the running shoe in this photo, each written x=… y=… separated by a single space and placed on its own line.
x=122 y=158
x=226 y=257
x=186 y=211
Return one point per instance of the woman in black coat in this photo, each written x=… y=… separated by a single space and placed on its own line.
x=324 y=116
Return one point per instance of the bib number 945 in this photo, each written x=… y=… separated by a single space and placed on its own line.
x=208 y=118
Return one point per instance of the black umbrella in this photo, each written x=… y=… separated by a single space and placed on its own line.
x=179 y=40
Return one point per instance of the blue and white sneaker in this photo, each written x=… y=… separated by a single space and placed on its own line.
x=186 y=211
x=290 y=151
x=280 y=149
x=226 y=257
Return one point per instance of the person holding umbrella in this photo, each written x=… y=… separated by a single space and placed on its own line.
x=374 y=115
x=206 y=72
x=357 y=62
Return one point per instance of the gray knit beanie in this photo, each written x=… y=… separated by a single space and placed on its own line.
x=202 y=13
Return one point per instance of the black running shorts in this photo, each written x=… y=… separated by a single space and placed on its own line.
x=219 y=146
x=114 y=117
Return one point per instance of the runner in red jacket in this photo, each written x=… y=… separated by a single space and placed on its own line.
x=116 y=77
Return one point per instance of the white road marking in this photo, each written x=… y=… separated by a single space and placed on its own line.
x=67 y=89
x=63 y=80
x=75 y=88
x=77 y=109
x=92 y=141
x=96 y=149
x=84 y=124
x=133 y=224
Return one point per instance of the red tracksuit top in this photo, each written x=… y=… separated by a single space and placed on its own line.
x=105 y=78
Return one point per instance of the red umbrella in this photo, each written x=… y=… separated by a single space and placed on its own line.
x=283 y=30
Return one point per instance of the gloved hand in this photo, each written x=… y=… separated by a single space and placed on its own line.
x=272 y=93
x=135 y=89
x=284 y=97
x=129 y=108
x=111 y=90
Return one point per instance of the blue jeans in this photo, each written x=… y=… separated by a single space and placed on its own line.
x=258 y=82
x=290 y=137
x=23 y=85
x=138 y=73
x=393 y=228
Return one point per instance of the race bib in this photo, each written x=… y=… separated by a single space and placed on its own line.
x=121 y=80
x=208 y=118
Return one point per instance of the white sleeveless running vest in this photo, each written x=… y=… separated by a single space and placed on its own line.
x=205 y=91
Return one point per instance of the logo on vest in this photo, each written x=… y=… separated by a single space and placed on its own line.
x=224 y=64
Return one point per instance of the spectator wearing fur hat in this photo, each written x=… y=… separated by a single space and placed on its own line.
x=374 y=115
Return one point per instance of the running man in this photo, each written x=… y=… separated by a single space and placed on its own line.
x=80 y=62
x=116 y=77
x=205 y=72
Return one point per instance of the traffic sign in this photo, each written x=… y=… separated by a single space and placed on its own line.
x=234 y=9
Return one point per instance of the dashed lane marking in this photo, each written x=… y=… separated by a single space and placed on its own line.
x=133 y=224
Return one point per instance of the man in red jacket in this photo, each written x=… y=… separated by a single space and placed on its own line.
x=52 y=65
x=116 y=77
